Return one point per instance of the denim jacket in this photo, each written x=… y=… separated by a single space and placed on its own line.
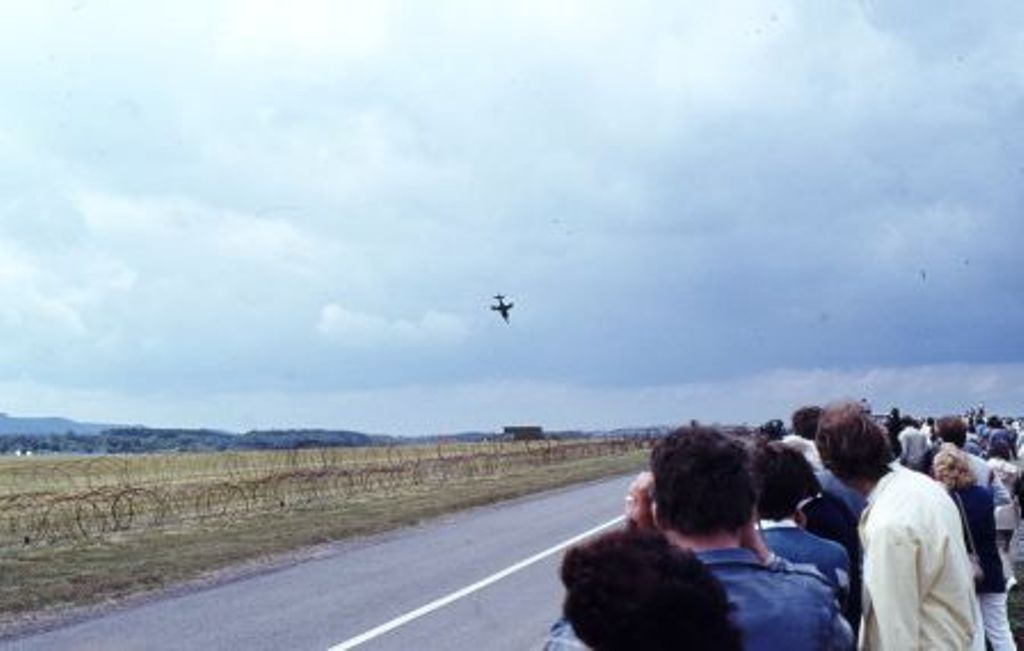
x=778 y=607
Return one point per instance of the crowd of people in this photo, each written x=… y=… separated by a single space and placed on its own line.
x=846 y=532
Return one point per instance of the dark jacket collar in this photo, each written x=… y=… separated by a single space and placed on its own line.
x=730 y=555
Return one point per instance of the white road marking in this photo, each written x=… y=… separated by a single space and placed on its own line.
x=470 y=589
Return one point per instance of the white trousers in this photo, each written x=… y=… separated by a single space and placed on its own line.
x=996 y=626
x=978 y=639
x=1004 y=541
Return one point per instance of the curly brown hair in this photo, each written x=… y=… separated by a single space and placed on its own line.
x=784 y=478
x=702 y=481
x=633 y=589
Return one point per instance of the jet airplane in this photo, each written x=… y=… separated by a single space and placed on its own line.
x=502 y=306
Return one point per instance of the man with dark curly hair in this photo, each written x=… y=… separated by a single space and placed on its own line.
x=633 y=589
x=786 y=482
x=918 y=585
x=704 y=497
x=700 y=493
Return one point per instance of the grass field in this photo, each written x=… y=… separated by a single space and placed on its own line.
x=1015 y=609
x=76 y=531
x=82 y=530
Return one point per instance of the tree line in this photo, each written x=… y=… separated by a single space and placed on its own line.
x=145 y=440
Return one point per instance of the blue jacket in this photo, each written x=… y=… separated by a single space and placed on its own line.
x=980 y=508
x=832 y=485
x=778 y=607
x=829 y=518
x=798 y=546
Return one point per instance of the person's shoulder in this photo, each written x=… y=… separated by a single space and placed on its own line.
x=979 y=495
x=805 y=590
x=775 y=533
x=782 y=539
x=976 y=460
x=907 y=483
x=910 y=433
x=902 y=510
x=799 y=574
x=1003 y=466
x=830 y=548
x=829 y=505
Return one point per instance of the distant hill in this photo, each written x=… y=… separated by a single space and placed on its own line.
x=12 y=425
x=125 y=440
x=308 y=438
x=53 y=434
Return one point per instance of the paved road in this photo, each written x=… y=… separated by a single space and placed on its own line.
x=361 y=585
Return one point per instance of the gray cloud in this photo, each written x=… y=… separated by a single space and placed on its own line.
x=251 y=197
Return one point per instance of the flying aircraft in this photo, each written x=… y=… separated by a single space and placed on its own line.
x=502 y=306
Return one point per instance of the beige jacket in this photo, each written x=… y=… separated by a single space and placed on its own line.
x=918 y=586
x=1007 y=515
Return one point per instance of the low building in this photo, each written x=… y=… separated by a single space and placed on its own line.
x=525 y=432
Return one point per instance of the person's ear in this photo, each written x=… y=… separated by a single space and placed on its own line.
x=800 y=519
x=654 y=514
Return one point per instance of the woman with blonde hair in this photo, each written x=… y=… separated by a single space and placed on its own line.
x=952 y=468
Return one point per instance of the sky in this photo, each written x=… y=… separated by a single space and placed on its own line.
x=294 y=214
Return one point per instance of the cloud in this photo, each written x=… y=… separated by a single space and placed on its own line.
x=273 y=33
x=320 y=196
x=347 y=328
x=50 y=296
x=182 y=227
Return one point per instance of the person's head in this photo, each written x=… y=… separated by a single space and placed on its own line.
x=999 y=449
x=952 y=429
x=994 y=422
x=952 y=468
x=892 y=422
x=702 y=482
x=909 y=421
x=635 y=590
x=805 y=448
x=783 y=479
x=773 y=430
x=805 y=421
x=851 y=445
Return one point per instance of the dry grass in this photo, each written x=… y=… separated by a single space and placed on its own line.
x=77 y=572
x=55 y=500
